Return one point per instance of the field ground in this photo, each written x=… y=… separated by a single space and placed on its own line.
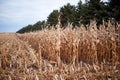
x=61 y=54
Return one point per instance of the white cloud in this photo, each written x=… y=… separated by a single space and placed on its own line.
x=24 y=12
x=17 y=10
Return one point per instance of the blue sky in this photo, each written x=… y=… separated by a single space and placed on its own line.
x=15 y=14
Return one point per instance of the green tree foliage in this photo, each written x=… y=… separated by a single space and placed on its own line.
x=114 y=9
x=92 y=10
x=67 y=14
x=79 y=13
x=83 y=12
x=53 y=18
x=25 y=29
x=37 y=26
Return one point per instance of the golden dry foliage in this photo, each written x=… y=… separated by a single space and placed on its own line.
x=62 y=54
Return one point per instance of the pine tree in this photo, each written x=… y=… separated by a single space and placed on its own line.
x=114 y=9
x=67 y=14
x=53 y=18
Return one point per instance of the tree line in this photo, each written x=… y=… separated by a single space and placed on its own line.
x=82 y=13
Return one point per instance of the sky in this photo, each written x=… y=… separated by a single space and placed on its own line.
x=15 y=14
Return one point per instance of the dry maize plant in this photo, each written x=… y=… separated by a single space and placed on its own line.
x=62 y=54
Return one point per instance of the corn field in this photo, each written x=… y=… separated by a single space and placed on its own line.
x=62 y=54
